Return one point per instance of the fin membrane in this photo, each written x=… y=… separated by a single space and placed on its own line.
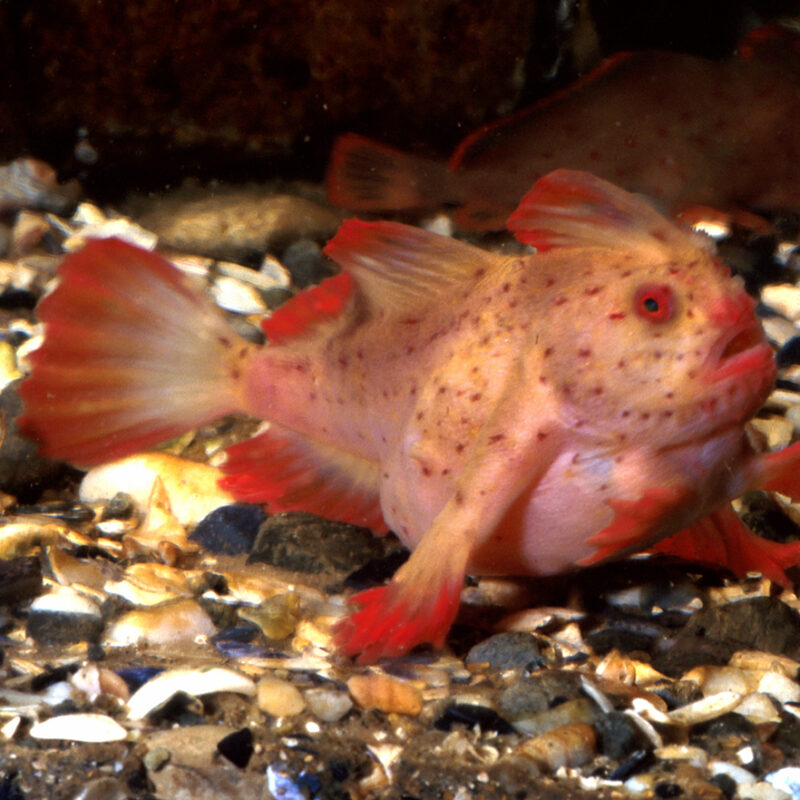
x=133 y=355
x=369 y=176
x=722 y=539
x=291 y=473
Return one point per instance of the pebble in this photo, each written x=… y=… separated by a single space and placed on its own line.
x=278 y=697
x=787 y=780
x=233 y=295
x=229 y=530
x=511 y=650
x=303 y=542
x=191 y=487
x=571 y=711
x=375 y=690
x=568 y=746
x=763 y=791
x=62 y=616
x=79 y=728
x=195 y=681
x=777 y=685
x=472 y=715
x=328 y=705
x=784 y=298
x=618 y=735
x=170 y=623
x=758 y=708
x=237 y=747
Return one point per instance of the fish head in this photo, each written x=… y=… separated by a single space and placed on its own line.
x=664 y=350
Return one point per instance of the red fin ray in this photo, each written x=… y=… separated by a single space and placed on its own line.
x=399 y=266
x=133 y=355
x=569 y=208
x=635 y=522
x=288 y=472
x=722 y=539
x=311 y=307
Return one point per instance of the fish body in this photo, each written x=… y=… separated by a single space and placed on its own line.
x=683 y=130
x=502 y=414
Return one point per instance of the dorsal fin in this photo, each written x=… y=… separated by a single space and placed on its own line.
x=398 y=266
x=570 y=208
x=292 y=473
x=307 y=309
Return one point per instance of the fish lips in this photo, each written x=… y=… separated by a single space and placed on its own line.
x=741 y=351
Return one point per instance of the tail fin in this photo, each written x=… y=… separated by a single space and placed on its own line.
x=133 y=355
x=369 y=176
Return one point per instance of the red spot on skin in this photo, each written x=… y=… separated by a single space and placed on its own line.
x=626 y=274
x=343 y=362
x=669 y=395
x=560 y=300
x=442 y=390
x=667 y=413
x=593 y=290
x=410 y=321
x=426 y=472
x=458 y=498
x=312 y=396
x=479 y=273
x=410 y=349
x=550 y=282
x=621 y=364
x=506 y=287
x=644 y=416
x=625 y=413
x=584 y=352
x=475 y=397
x=549 y=351
x=235 y=374
x=360 y=355
x=420 y=414
x=460 y=447
x=541 y=436
x=224 y=341
x=617 y=315
x=498 y=437
x=597 y=390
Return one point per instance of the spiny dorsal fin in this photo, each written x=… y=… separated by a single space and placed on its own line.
x=398 y=266
x=570 y=208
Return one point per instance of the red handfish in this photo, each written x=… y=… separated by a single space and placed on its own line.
x=682 y=130
x=502 y=414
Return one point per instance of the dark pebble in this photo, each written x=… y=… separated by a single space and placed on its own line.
x=376 y=571
x=534 y=693
x=136 y=677
x=237 y=747
x=619 y=637
x=23 y=472
x=229 y=530
x=687 y=650
x=637 y=762
x=9 y=787
x=729 y=727
x=679 y=693
x=617 y=734
x=789 y=353
x=50 y=676
x=303 y=542
x=787 y=736
x=469 y=714
x=305 y=263
x=20 y=579
x=725 y=784
x=514 y=650
x=55 y=627
x=762 y=623
x=667 y=789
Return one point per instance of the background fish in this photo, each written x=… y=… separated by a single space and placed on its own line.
x=680 y=129
x=502 y=414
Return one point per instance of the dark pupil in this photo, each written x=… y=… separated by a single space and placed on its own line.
x=651 y=304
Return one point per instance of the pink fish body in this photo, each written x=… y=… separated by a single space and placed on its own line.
x=501 y=414
x=683 y=130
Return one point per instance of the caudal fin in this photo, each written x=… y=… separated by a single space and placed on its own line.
x=133 y=355
x=369 y=176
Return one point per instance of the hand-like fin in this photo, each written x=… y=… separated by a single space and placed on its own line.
x=722 y=539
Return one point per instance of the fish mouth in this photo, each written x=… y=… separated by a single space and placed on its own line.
x=741 y=351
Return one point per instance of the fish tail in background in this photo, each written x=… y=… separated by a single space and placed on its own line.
x=134 y=354
x=364 y=175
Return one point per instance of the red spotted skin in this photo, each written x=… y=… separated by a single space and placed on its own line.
x=523 y=415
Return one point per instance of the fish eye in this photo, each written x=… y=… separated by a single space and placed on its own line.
x=655 y=303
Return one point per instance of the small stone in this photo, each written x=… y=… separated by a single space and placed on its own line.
x=64 y=617
x=763 y=791
x=303 y=542
x=156 y=758
x=708 y=708
x=387 y=694
x=328 y=705
x=305 y=262
x=20 y=579
x=777 y=685
x=278 y=697
x=229 y=530
x=538 y=692
x=568 y=746
x=169 y=623
x=191 y=488
x=567 y=713
x=787 y=780
x=618 y=735
x=512 y=650
x=237 y=747
x=470 y=714
x=79 y=728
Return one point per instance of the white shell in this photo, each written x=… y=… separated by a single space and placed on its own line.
x=710 y=707
x=192 y=680
x=80 y=728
